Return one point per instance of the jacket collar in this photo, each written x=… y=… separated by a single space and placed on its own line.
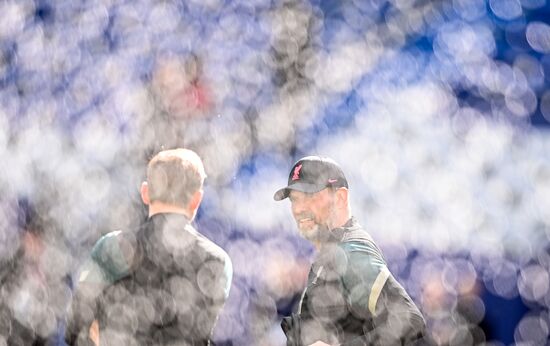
x=169 y=219
x=337 y=234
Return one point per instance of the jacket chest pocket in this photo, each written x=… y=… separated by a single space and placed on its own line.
x=324 y=298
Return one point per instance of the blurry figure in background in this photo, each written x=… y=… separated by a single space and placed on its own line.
x=282 y=281
x=285 y=277
x=455 y=316
x=164 y=283
x=32 y=291
x=351 y=298
x=179 y=85
x=181 y=96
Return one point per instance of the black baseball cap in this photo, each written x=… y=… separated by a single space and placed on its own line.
x=312 y=174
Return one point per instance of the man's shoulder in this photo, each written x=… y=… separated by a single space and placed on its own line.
x=359 y=245
x=208 y=246
x=219 y=262
x=358 y=239
x=114 y=253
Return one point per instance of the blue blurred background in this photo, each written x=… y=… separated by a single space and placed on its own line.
x=438 y=112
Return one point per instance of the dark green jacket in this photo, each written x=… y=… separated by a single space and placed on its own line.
x=351 y=298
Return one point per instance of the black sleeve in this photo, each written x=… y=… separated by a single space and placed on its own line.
x=396 y=321
x=390 y=315
x=84 y=303
x=291 y=328
x=217 y=290
x=80 y=316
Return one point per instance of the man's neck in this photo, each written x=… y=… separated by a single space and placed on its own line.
x=340 y=221
x=161 y=208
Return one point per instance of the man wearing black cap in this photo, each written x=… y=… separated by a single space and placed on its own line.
x=351 y=298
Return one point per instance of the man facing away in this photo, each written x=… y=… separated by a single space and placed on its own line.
x=351 y=298
x=164 y=283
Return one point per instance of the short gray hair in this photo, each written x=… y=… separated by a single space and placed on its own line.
x=173 y=176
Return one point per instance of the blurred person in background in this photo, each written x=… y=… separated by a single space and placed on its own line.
x=351 y=298
x=32 y=291
x=455 y=315
x=181 y=88
x=164 y=283
x=181 y=96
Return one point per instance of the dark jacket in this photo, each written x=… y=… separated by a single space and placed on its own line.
x=162 y=285
x=12 y=330
x=351 y=298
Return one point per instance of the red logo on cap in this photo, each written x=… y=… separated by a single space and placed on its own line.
x=331 y=181
x=296 y=175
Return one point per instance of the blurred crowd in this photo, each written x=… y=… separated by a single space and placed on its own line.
x=437 y=110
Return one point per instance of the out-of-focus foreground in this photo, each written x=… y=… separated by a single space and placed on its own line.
x=436 y=110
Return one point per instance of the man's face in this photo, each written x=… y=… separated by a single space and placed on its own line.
x=312 y=212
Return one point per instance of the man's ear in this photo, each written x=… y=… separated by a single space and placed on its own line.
x=342 y=197
x=145 y=193
x=195 y=201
